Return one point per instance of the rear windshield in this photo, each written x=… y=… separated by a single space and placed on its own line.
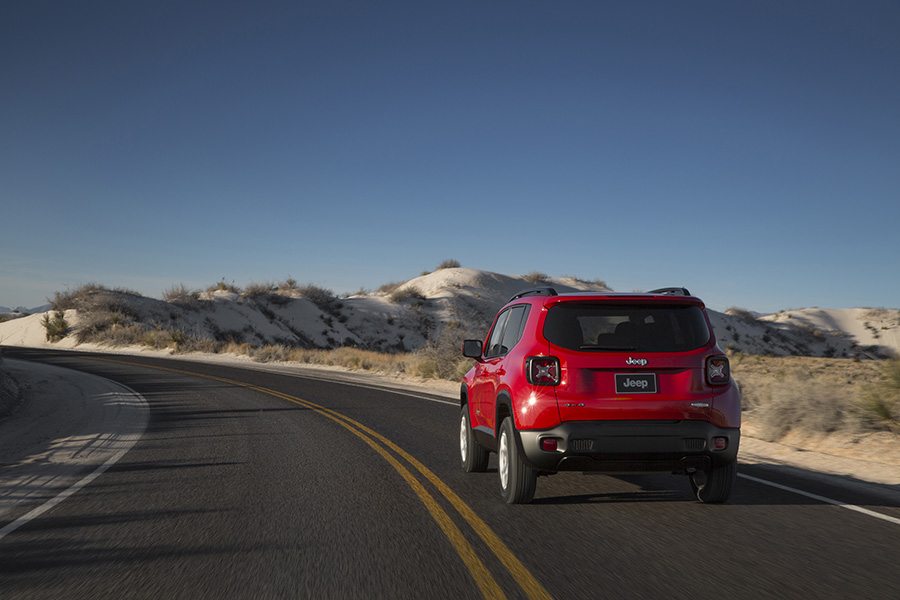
x=605 y=327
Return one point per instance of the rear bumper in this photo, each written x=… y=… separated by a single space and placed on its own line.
x=629 y=446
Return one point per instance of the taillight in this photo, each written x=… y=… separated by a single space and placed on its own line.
x=542 y=370
x=718 y=371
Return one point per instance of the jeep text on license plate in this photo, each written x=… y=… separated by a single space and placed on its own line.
x=635 y=383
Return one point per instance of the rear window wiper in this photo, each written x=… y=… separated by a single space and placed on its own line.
x=596 y=347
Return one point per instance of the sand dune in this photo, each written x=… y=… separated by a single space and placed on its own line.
x=412 y=313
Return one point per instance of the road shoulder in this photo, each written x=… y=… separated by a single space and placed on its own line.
x=70 y=425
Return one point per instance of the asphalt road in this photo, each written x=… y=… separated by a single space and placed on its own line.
x=254 y=484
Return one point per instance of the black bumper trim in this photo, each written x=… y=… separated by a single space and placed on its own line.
x=630 y=446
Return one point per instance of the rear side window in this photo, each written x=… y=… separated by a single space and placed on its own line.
x=507 y=331
x=514 y=328
x=643 y=328
x=493 y=348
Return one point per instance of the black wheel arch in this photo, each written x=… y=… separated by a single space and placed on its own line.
x=503 y=408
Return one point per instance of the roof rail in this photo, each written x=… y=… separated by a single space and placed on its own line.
x=544 y=291
x=672 y=291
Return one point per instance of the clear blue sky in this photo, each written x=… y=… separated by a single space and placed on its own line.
x=747 y=150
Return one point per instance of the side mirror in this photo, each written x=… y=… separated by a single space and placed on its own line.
x=472 y=349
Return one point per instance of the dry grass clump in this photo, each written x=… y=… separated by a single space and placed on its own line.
x=388 y=288
x=439 y=361
x=347 y=357
x=817 y=395
x=56 y=327
x=129 y=334
x=180 y=294
x=104 y=318
x=258 y=289
x=83 y=295
x=794 y=405
x=222 y=286
x=879 y=403
x=741 y=313
x=198 y=344
x=409 y=294
x=450 y=263
x=288 y=285
x=536 y=277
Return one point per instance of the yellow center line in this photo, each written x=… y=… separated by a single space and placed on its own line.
x=483 y=578
x=520 y=573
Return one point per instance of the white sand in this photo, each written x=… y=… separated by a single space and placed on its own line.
x=471 y=298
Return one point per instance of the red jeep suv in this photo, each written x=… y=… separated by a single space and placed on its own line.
x=607 y=382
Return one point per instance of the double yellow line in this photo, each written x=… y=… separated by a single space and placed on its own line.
x=483 y=578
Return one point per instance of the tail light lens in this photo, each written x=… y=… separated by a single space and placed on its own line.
x=718 y=371
x=549 y=444
x=542 y=370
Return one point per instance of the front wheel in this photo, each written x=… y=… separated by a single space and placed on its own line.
x=517 y=479
x=714 y=485
x=474 y=458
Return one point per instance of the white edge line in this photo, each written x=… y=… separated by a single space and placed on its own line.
x=63 y=495
x=852 y=507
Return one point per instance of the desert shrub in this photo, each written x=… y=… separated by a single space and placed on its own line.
x=450 y=263
x=222 y=286
x=390 y=287
x=741 y=313
x=127 y=334
x=180 y=294
x=198 y=344
x=160 y=338
x=796 y=404
x=407 y=294
x=325 y=299
x=93 y=296
x=239 y=348
x=256 y=290
x=288 y=284
x=879 y=404
x=55 y=327
x=441 y=357
x=72 y=298
x=98 y=324
x=347 y=357
x=270 y=353
x=536 y=277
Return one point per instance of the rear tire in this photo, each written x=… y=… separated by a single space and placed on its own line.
x=473 y=457
x=517 y=480
x=714 y=486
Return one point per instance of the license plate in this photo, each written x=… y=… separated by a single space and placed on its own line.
x=635 y=383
